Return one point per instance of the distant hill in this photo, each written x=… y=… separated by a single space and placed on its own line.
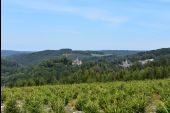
x=5 y=53
x=120 y=52
x=155 y=54
x=37 y=57
x=30 y=58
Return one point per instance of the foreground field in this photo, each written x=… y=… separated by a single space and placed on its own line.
x=118 y=97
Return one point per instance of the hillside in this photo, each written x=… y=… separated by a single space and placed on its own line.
x=150 y=54
x=6 y=53
x=8 y=66
x=97 y=69
x=37 y=57
x=120 y=52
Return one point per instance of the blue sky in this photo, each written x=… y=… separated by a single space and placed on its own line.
x=85 y=24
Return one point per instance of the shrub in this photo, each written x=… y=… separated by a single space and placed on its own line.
x=57 y=105
x=11 y=107
x=91 y=107
x=33 y=105
x=81 y=103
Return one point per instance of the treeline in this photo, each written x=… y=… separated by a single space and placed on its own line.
x=59 y=71
x=8 y=67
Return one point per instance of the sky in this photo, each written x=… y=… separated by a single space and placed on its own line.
x=33 y=25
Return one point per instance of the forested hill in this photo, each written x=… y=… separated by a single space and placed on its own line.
x=100 y=69
x=5 y=53
x=120 y=52
x=155 y=54
x=8 y=67
x=37 y=57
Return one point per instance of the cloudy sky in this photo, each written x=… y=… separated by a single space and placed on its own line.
x=85 y=24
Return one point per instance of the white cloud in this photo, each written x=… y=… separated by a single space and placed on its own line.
x=85 y=12
x=103 y=16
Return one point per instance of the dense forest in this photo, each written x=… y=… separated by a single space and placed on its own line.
x=56 y=67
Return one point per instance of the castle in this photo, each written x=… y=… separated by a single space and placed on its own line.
x=77 y=62
x=126 y=64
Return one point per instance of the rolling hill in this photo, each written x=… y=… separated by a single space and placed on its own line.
x=55 y=66
x=6 y=53
x=37 y=57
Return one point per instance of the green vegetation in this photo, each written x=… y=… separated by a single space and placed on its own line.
x=48 y=82
x=38 y=57
x=117 y=97
x=62 y=71
x=101 y=69
x=6 y=53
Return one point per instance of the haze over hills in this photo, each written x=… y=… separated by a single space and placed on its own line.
x=30 y=58
x=5 y=53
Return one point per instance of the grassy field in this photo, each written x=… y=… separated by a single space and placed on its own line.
x=117 y=97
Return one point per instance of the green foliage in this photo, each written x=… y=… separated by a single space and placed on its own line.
x=91 y=107
x=59 y=70
x=161 y=108
x=32 y=105
x=57 y=105
x=62 y=71
x=81 y=103
x=117 y=97
x=11 y=106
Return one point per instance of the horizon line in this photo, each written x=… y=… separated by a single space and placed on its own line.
x=84 y=49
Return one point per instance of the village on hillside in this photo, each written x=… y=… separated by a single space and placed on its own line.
x=126 y=63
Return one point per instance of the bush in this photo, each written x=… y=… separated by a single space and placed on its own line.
x=167 y=103
x=91 y=107
x=33 y=105
x=57 y=105
x=81 y=103
x=11 y=107
x=161 y=108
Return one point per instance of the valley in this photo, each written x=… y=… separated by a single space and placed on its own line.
x=67 y=81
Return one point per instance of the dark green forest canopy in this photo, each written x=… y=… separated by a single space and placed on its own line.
x=59 y=69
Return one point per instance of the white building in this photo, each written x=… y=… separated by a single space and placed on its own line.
x=143 y=62
x=77 y=62
x=126 y=64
